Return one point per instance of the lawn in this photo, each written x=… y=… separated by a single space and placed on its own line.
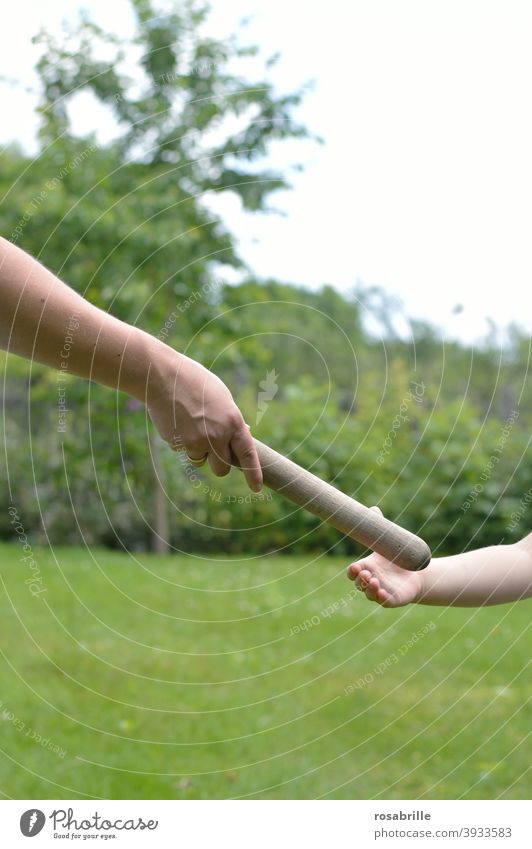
x=182 y=677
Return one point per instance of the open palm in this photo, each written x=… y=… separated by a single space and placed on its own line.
x=384 y=582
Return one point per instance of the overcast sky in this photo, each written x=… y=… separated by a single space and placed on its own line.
x=424 y=184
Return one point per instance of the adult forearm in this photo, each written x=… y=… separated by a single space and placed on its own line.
x=493 y=575
x=45 y=320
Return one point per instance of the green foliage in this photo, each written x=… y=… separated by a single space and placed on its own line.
x=436 y=464
x=126 y=224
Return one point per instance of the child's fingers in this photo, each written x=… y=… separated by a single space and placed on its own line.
x=383 y=597
x=353 y=571
x=374 y=591
x=363 y=580
x=368 y=583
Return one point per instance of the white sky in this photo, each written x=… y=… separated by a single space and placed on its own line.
x=424 y=185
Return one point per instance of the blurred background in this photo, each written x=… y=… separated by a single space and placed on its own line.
x=321 y=219
x=141 y=157
x=329 y=206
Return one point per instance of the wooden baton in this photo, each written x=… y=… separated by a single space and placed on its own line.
x=342 y=512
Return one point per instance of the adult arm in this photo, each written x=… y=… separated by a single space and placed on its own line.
x=189 y=405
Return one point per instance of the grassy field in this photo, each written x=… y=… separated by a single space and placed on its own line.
x=174 y=677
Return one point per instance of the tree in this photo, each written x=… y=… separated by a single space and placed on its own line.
x=125 y=222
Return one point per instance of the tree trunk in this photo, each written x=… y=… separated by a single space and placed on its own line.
x=160 y=521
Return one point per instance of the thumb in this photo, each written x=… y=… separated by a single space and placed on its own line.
x=377 y=510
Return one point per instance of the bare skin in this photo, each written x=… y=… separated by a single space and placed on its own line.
x=494 y=575
x=191 y=407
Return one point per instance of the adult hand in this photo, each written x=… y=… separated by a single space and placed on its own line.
x=193 y=410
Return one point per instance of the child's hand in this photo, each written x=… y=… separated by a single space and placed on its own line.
x=384 y=582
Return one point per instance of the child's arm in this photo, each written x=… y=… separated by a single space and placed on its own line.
x=493 y=575
x=189 y=405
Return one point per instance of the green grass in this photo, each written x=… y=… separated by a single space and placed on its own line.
x=180 y=677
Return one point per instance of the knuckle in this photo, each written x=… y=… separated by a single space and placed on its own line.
x=247 y=452
x=218 y=435
x=195 y=445
x=235 y=419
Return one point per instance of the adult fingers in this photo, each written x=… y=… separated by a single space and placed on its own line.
x=243 y=447
x=220 y=459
